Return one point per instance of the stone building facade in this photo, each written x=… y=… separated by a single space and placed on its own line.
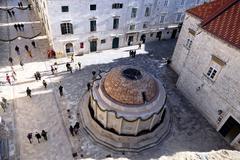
x=83 y=26
x=206 y=58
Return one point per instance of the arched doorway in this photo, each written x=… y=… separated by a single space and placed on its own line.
x=143 y=38
x=115 y=42
x=69 y=48
x=159 y=35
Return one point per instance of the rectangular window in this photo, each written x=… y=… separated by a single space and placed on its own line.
x=211 y=72
x=93 y=25
x=64 y=8
x=182 y=2
x=66 y=28
x=117 y=5
x=132 y=27
x=134 y=13
x=115 y=23
x=144 y=25
x=162 y=19
x=103 y=41
x=165 y=3
x=147 y=12
x=178 y=17
x=93 y=7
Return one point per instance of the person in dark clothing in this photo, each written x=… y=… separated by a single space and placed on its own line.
x=52 y=69
x=21 y=5
x=17 y=49
x=79 y=65
x=16 y=27
x=76 y=127
x=19 y=27
x=44 y=135
x=13 y=13
x=29 y=136
x=60 y=90
x=88 y=86
x=38 y=75
x=35 y=75
x=21 y=63
x=29 y=6
x=33 y=44
x=38 y=136
x=29 y=92
x=134 y=53
x=9 y=13
x=26 y=47
x=68 y=66
x=71 y=130
x=44 y=83
x=22 y=26
x=10 y=60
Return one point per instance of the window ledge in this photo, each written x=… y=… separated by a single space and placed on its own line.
x=209 y=79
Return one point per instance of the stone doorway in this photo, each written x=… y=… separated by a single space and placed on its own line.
x=174 y=33
x=130 y=40
x=115 y=42
x=93 y=46
x=230 y=130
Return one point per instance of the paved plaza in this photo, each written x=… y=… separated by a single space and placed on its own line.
x=191 y=137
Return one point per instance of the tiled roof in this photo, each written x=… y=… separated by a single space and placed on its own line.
x=221 y=18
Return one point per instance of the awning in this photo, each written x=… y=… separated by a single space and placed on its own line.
x=132 y=32
x=116 y=35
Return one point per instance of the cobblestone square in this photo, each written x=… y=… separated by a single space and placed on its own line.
x=191 y=137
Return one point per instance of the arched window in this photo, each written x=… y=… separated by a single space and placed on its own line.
x=147 y=12
x=66 y=28
x=69 y=47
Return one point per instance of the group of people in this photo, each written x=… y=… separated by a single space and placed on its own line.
x=20 y=4
x=19 y=27
x=38 y=136
x=132 y=53
x=74 y=129
x=11 y=13
x=37 y=75
x=17 y=49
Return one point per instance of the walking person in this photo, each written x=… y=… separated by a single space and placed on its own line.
x=68 y=66
x=28 y=91
x=71 y=130
x=33 y=44
x=29 y=136
x=29 y=53
x=44 y=84
x=76 y=127
x=26 y=47
x=19 y=27
x=38 y=136
x=44 y=135
x=8 y=79
x=38 y=75
x=13 y=13
x=52 y=69
x=35 y=75
x=21 y=5
x=22 y=26
x=16 y=27
x=61 y=90
x=10 y=59
x=72 y=59
x=13 y=76
x=9 y=13
x=17 y=50
x=21 y=64
x=79 y=65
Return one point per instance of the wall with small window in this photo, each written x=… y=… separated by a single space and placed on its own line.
x=209 y=76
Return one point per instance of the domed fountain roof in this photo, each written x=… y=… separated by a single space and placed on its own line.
x=129 y=85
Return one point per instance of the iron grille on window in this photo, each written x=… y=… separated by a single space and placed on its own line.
x=117 y=5
x=93 y=26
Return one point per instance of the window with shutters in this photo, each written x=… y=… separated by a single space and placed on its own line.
x=66 y=28
x=134 y=13
x=147 y=12
x=93 y=25
x=214 y=68
x=115 y=23
x=117 y=5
